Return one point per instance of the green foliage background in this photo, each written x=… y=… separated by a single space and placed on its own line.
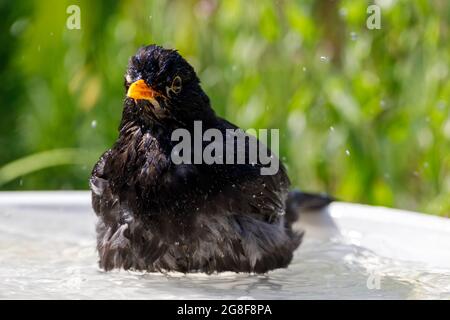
x=363 y=114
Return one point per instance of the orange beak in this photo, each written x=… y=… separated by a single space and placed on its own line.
x=140 y=90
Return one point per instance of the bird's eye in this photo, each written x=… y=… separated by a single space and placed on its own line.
x=176 y=84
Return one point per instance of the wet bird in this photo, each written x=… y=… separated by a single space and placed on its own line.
x=155 y=215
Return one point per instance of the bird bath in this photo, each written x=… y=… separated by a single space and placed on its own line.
x=350 y=251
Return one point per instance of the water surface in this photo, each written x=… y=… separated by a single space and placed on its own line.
x=47 y=251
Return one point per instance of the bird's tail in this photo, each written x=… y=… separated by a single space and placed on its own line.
x=298 y=201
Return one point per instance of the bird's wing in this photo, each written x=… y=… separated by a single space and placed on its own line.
x=243 y=189
x=104 y=202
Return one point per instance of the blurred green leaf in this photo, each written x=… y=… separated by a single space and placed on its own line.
x=47 y=159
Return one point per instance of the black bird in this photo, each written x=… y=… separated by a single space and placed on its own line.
x=156 y=215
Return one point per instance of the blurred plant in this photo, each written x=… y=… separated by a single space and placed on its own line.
x=46 y=159
x=363 y=114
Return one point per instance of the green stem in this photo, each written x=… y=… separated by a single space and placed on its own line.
x=42 y=160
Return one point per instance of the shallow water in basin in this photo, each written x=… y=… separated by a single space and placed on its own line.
x=50 y=253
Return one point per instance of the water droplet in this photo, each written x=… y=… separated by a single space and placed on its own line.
x=332 y=128
x=323 y=58
x=177 y=243
x=94 y=124
x=347 y=152
x=233 y=185
x=254 y=196
x=18 y=26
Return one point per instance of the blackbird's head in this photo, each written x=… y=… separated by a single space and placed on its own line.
x=162 y=88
